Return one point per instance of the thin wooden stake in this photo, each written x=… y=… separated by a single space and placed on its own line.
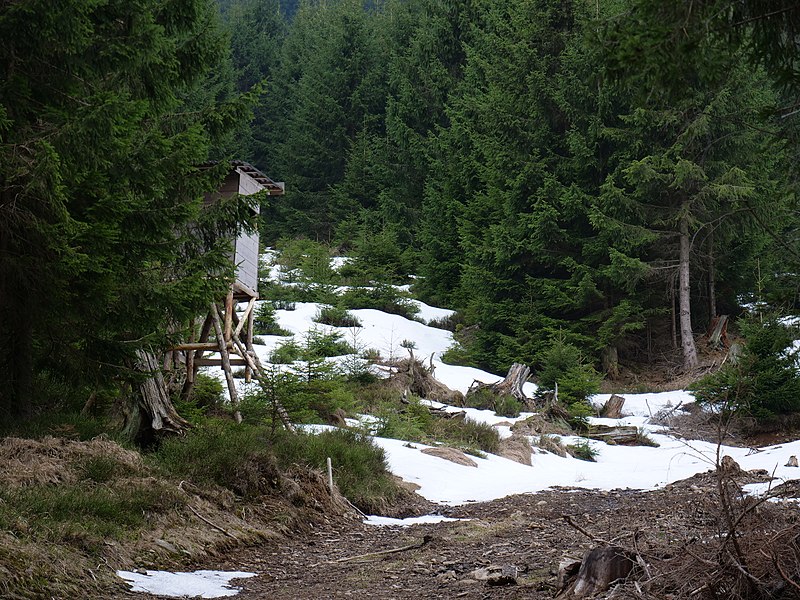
x=330 y=475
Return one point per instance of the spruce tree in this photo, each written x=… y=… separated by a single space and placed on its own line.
x=106 y=247
x=331 y=78
x=703 y=168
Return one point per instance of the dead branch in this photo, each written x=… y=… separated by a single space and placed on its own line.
x=783 y=574
x=574 y=525
x=215 y=526
x=425 y=541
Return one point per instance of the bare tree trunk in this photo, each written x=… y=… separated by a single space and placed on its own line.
x=16 y=331
x=687 y=338
x=610 y=360
x=712 y=289
x=673 y=313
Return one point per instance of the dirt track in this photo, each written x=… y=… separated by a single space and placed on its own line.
x=527 y=532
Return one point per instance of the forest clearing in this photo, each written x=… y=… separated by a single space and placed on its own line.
x=399 y=298
x=472 y=524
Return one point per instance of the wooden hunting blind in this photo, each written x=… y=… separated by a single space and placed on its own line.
x=232 y=331
x=244 y=179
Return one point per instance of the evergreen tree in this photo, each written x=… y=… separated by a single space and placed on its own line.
x=702 y=167
x=331 y=71
x=257 y=32
x=105 y=243
x=426 y=40
x=530 y=156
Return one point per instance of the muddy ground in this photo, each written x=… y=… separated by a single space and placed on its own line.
x=525 y=534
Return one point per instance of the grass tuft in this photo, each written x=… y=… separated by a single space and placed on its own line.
x=359 y=466
x=236 y=457
x=84 y=513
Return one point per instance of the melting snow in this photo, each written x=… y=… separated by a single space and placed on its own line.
x=202 y=584
x=390 y=522
x=445 y=482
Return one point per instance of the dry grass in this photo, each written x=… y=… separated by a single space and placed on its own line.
x=71 y=513
x=537 y=425
x=551 y=443
x=52 y=460
x=516 y=448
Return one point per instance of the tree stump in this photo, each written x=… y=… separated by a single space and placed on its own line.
x=516 y=377
x=718 y=332
x=413 y=376
x=612 y=409
x=599 y=568
x=153 y=409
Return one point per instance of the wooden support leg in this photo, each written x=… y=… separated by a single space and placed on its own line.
x=192 y=356
x=229 y=316
x=258 y=372
x=248 y=373
x=226 y=363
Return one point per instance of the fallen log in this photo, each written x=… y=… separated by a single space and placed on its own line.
x=621 y=435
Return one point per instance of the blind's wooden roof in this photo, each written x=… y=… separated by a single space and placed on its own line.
x=274 y=188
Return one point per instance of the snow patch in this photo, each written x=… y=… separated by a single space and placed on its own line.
x=202 y=584
x=390 y=522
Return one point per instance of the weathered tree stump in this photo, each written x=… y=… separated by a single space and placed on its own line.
x=516 y=377
x=612 y=409
x=718 y=332
x=599 y=568
x=153 y=409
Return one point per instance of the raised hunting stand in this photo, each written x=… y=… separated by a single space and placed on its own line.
x=232 y=343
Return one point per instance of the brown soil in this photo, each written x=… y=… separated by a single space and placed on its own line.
x=665 y=374
x=525 y=532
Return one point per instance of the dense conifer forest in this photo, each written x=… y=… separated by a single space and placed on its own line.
x=610 y=175
x=598 y=172
x=571 y=193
